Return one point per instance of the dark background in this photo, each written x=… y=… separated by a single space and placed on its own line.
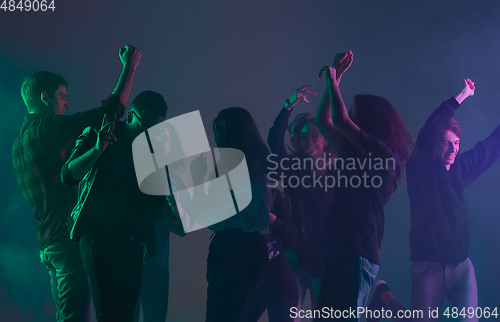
x=209 y=55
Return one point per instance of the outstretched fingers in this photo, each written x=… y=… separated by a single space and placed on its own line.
x=105 y=135
x=109 y=127
x=302 y=92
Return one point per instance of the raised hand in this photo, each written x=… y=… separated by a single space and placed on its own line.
x=105 y=135
x=130 y=56
x=468 y=90
x=331 y=73
x=299 y=96
x=341 y=63
x=469 y=87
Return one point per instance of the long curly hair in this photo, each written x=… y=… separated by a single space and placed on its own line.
x=379 y=118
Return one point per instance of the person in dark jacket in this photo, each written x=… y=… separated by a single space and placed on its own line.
x=439 y=237
x=113 y=217
x=45 y=141
x=309 y=162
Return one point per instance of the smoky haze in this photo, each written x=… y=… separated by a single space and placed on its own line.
x=210 y=55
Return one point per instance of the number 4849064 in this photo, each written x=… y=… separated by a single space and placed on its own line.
x=28 y=5
x=471 y=312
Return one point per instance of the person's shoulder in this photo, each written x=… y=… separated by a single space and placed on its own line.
x=36 y=118
x=88 y=133
x=30 y=120
x=39 y=126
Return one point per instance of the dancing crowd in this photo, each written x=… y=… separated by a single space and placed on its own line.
x=105 y=241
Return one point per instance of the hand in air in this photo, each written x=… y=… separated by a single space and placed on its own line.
x=105 y=135
x=299 y=96
x=130 y=56
x=341 y=63
x=469 y=87
x=466 y=92
x=331 y=73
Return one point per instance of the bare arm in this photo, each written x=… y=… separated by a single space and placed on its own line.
x=130 y=58
x=466 y=92
x=325 y=124
x=340 y=118
x=324 y=120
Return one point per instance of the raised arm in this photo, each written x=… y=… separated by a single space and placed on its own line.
x=466 y=92
x=130 y=58
x=479 y=159
x=332 y=114
x=63 y=128
x=275 y=138
x=425 y=151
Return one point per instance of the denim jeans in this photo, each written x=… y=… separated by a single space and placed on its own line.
x=347 y=279
x=279 y=290
x=69 y=286
x=432 y=282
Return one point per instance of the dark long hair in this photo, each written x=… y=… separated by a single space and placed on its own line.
x=241 y=133
x=377 y=117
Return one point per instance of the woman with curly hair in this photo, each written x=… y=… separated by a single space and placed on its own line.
x=374 y=136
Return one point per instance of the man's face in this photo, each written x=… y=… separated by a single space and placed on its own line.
x=448 y=148
x=58 y=104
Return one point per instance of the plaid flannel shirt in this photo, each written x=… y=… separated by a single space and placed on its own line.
x=42 y=147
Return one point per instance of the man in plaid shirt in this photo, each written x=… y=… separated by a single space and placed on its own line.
x=44 y=144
